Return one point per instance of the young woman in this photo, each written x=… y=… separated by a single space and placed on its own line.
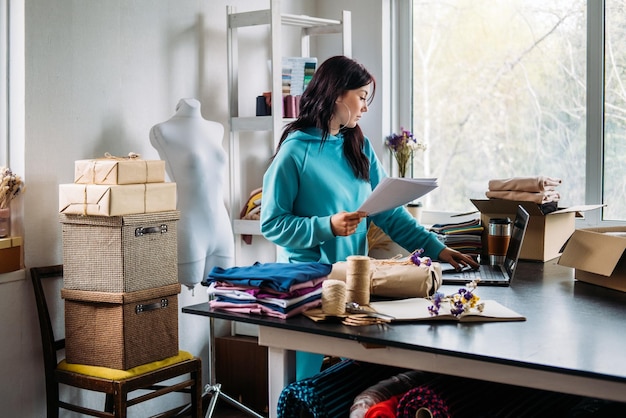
x=324 y=169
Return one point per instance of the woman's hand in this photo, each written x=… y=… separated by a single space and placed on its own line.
x=457 y=259
x=345 y=223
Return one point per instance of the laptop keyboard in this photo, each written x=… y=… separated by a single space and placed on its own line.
x=486 y=274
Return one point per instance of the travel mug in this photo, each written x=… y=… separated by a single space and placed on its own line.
x=498 y=239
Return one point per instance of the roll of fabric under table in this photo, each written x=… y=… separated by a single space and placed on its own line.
x=456 y=397
x=330 y=393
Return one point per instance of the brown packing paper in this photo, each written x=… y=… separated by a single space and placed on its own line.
x=394 y=279
x=115 y=171
x=116 y=200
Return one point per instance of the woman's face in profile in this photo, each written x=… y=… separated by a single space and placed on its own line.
x=350 y=106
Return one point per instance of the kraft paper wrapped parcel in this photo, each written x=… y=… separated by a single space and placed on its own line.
x=116 y=200
x=118 y=170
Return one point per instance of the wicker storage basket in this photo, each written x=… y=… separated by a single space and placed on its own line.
x=121 y=330
x=120 y=253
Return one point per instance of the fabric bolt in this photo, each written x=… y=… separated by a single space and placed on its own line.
x=276 y=276
x=469 y=398
x=330 y=393
x=525 y=184
x=420 y=398
x=384 y=409
x=386 y=389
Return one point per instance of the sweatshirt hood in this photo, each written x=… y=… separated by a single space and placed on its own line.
x=311 y=134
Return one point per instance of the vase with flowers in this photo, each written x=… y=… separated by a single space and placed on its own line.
x=11 y=186
x=402 y=146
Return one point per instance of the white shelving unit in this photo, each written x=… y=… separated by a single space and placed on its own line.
x=309 y=26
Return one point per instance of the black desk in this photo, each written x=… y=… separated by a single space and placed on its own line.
x=573 y=340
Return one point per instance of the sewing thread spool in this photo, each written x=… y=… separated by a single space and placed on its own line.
x=333 y=297
x=358 y=276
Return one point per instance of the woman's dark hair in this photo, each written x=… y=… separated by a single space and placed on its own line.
x=331 y=80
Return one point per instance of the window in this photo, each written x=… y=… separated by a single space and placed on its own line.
x=12 y=84
x=4 y=81
x=614 y=164
x=500 y=90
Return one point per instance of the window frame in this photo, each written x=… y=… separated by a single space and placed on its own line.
x=402 y=98
x=12 y=87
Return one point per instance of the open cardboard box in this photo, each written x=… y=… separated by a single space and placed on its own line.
x=545 y=235
x=597 y=255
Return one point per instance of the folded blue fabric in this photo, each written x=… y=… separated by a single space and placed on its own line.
x=276 y=276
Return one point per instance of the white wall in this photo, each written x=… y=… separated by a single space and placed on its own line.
x=99 y=75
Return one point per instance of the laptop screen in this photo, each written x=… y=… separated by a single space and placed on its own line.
x=518 y=231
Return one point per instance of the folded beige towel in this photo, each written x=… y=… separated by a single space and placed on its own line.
x=524 y=184
x=536 y=197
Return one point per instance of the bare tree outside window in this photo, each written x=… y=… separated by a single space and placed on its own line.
x=614 y=192
x=499 y=90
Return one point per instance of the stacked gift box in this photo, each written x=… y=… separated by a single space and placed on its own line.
x=120 y=263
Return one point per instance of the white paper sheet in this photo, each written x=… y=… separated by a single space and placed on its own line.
x=396 y=191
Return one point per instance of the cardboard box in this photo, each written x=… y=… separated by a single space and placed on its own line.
x=117 y=170
x=10 y=254
x=597 y=255
x=546 y=234
x=239 y=355
x=120 y=253
x=117 y=200
x=121 y=330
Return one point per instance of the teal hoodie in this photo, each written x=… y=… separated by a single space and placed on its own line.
x=305 y=185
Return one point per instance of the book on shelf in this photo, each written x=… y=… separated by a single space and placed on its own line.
x=296 y=74
x=416 y=309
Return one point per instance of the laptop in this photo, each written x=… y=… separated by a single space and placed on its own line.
x=498 y=275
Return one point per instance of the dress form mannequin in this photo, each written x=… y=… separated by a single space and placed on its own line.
x=194 y=158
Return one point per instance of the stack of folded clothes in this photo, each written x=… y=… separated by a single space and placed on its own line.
x=540 y=189
x=465 y=237
x=280 y=290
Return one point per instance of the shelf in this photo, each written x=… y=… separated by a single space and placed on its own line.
x=263 y=17
x=251 y=123
x=246 y=227
x=254 y=123
x=271 y=126
x=307 y=21
x=13 y=276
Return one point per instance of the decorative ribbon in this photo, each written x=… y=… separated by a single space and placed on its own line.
x=131 y=156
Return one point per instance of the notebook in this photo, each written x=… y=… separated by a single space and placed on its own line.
x=499 y=275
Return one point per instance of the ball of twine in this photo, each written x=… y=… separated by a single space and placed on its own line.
x=333 y=297
x=358 y=277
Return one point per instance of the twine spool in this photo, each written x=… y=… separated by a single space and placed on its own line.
x=333 y=297
x=358 y=276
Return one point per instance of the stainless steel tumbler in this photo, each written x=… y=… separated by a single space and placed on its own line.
x=498 y=239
